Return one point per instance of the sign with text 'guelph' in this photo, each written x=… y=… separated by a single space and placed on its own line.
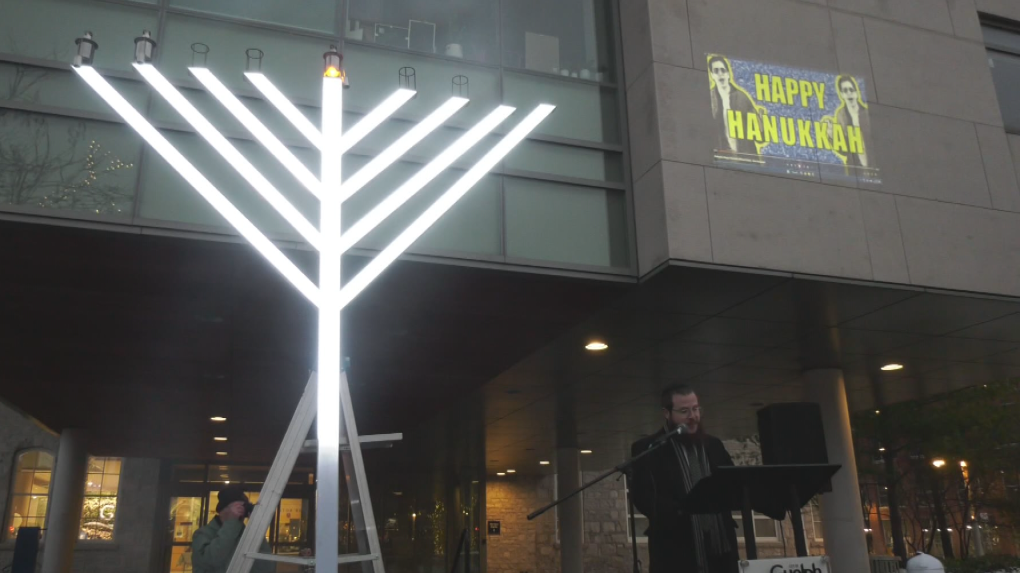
x=819 y=564
x=789 y=121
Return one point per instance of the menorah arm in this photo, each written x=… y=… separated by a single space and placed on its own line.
x=377 y=265
x=204 y=187
x=259 y=130
x=423 y=177
x=230 y=153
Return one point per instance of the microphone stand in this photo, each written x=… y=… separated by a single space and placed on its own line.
x=623 y=468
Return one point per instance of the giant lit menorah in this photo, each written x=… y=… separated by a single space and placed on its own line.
x=330 y=296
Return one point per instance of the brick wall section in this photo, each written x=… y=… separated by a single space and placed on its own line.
x=509 y=501
x=136 y=507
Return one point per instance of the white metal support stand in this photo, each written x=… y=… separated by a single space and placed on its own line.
x=247 y=551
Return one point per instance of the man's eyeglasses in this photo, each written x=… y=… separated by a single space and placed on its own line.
x=686 y=412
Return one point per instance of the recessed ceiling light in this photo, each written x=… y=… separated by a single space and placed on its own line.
x=585 y=451
x=221 y=453
x=543 y=463
x=220 y=438
x=511 y=471
x=881 y=449
x=596 y=345
x=227 y=482
x=501 y=474
x=218 y=419
x=893 y=366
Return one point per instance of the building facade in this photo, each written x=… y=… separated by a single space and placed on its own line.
x=766 y=199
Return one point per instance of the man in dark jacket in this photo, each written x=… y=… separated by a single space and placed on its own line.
x=213 y=545
x=680 y=542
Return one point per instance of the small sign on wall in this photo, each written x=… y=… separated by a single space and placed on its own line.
x=493 y=528
x=817 y=564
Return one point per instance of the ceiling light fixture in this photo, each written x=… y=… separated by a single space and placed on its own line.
x=224 y=476
x=596 y=346
x=218 y=419
x=585 y=452
x=891 y=367
x=501 y=474
x=543 y=463
x=221 y=453
x=511 y=471
x=220 y=439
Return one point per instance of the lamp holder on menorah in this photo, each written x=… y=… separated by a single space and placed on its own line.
x=327 y=397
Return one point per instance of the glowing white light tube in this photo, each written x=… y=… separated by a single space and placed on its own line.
x=355 y=134
x=330 y=352
x=401 y=146
x=230 y=153
x=289 y=110
x=190 y=174
x=443 y=204
x=258 y=129
x=374 y=118
x=422 y=178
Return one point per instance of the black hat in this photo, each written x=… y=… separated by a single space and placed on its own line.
x=229 y=495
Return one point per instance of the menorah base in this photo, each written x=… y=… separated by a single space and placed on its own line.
x=294 y=443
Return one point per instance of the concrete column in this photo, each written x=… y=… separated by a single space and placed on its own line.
x=568 y=474
x=67 y=493
x=842 y=517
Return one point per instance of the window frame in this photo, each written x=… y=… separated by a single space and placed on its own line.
x=5 y=536
x=755 y=518
x=1002 y=25
x=642 y=539
x=116 y=498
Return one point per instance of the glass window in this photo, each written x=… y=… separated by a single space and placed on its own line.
x=1006 y=76
x=318 y=15
x=58 y=88
x=471 y=226
x=816 y=519
x=376 y=74
x=30 y=491
x=765 y=528
x=168 y=197
x=584 y=111
x=47 y=29
x=70 y=164
x=1004 y=60
x=565 y=223
x=99 y=508
x=566 y=160
x=566 y=37
x=292 y=62
x=640 y=521
x=461 y=29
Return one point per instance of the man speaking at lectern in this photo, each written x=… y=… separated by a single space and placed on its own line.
x=678 y=542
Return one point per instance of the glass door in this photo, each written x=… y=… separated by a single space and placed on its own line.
x=185 y=518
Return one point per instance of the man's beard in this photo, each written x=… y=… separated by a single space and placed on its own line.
x=696 y=435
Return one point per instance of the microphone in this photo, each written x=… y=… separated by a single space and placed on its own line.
x=678 y=431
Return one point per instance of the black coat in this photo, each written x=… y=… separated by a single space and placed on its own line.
x=658 y=492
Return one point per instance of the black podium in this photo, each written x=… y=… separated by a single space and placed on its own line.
x=769 y=490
